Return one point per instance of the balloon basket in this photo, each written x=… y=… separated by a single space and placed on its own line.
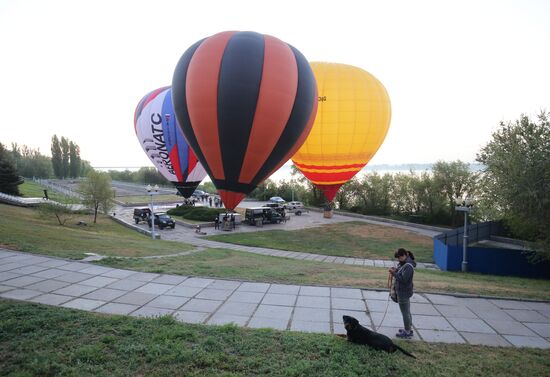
x=327 y=214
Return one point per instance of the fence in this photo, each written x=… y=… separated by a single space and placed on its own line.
x=448 y=253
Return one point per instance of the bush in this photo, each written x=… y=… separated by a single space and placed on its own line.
x=196 y=213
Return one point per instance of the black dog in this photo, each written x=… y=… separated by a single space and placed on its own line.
x=361 y=335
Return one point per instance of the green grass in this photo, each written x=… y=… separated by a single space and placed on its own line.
x=232 y=264
x=196 y=213
x=23 y=229
x=350 y=239
x=37 y=340
x=30 y=189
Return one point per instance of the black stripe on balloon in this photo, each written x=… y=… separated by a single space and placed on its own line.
x=179 y=101
x=301 y=111
x=238 y=89
x=245 y=188
x=186 y=189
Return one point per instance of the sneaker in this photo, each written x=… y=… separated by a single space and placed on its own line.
x=405 y=334
x=403 y=330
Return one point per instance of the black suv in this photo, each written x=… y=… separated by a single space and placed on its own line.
x=141 y=214
x=262 y=215
x=280 y=208
x=162 y=220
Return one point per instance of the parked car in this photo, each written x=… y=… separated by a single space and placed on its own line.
x=296 y=207
x=141 y=214
x=262 y=215
x=162 y=220
x=277 y=199
x=280 y=208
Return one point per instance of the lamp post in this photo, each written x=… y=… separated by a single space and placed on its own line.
x=464 y=205
x=152 y=191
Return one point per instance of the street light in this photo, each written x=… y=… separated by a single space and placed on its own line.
x=464 y=205
x=152 y=191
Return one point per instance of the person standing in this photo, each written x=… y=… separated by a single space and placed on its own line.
x=403 y=277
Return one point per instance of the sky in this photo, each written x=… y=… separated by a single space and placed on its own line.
x=453 y=69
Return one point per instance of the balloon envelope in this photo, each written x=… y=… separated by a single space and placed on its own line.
x=162 y=140
x=352 y=121
x=245 y=102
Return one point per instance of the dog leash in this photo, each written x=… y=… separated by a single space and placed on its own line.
x=390 y=280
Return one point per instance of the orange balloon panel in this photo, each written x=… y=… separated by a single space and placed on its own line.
x=352 y=121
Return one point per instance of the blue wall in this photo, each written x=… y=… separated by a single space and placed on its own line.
x=489 y=261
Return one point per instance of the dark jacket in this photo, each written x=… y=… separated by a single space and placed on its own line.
x=404 y=279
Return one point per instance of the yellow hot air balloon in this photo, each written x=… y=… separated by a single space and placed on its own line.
x=352 y=121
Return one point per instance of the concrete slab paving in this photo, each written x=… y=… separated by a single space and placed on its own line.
x=223 y=319
x=83 y=304
x=200 y=305
x=315 y=291
x=440 y=336
x=270 y=323
x=135 y=298
x=6 y=275
x=494 y=340
x=52 y=299
x=183 y=291
x=214 y=294
x=75 y=290
x=126 y=285
x=454 y=311
x=104 y=294
x=472 y=325
x=313 y=302
x=315 y=327
x=20 y=294
x=311 y=315
x=190 y=317
x=116 y=308
x=274 y=311
x=526 y=315
x=441 y=318
x=505 y=327
x=22 y=281
x=237 y=308
x=153 y=288
x=431 y=323
x=542 y=329
x=49 y=273
x=284 y=289
x=528 y=341
x=279 y=299
x=48 y=285
x=249 y=297
x=150 y=312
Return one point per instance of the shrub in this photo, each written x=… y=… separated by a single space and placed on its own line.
x=196 y=213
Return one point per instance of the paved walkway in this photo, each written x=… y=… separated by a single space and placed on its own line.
x=436 y=318
x=314 y=219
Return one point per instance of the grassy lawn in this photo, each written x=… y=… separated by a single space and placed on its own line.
x=37 y=340
x=350 y=239
x=23 y=229
x=30 y=189
x=232 y=264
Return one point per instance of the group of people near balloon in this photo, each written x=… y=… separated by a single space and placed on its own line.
x=242 y=104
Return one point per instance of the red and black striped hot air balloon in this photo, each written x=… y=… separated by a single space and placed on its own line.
x=245 y=102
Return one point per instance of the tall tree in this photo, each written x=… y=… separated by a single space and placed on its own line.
x=65 y=157
x=57 y=162
x=9 y=178
x=97 y=193
x=74 y=157
x=517 y=178
x=454 y=180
